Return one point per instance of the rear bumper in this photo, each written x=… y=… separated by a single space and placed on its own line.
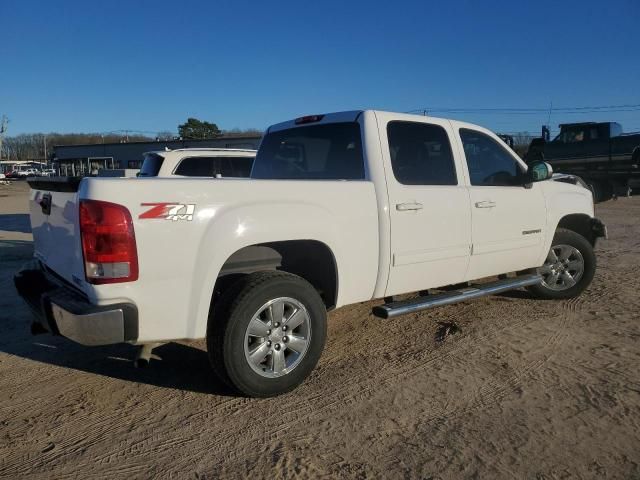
x=61 y=310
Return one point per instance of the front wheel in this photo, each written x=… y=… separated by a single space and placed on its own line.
x=266 y=333
x=568 y=269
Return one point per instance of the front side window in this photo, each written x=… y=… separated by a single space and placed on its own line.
x=489 y=163
x=330 y=151
x=421 y=154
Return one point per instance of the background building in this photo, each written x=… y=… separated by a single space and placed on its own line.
x=75 y=160
x=7 y=166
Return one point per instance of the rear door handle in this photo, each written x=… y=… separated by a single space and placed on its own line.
x=485 y=204
x=403 y=207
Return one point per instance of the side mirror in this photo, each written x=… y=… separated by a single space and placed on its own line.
x=539 y=171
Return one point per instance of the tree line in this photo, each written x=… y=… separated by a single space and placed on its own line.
x=32 y=146
x=39 y=146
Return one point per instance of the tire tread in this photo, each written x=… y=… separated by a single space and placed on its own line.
x=221 y=312
x=589 y=257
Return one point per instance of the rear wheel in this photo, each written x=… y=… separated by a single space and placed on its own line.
x=266 y=333
x=569 y=267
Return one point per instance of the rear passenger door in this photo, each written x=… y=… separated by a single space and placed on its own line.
x=429 y=205
x=508 y=219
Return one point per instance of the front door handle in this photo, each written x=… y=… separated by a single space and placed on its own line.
x=403 y=207
x=485 y=204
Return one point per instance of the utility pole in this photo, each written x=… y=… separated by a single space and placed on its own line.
x=44 y=139
x=3 y=128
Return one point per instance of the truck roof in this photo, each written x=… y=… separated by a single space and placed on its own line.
x=584 y=124
x=335 y=117
x=352 y=116
x=199 y=150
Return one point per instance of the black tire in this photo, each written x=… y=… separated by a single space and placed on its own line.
x=577 y=241
x=229 y=321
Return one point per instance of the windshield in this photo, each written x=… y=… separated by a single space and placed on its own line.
x=317 y=152
x=151 y=165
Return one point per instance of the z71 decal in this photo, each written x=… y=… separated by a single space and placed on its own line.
x=169 y=211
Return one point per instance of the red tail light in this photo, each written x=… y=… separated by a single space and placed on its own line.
x=308 y=119
x=108 y=242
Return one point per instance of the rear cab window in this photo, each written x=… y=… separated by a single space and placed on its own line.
x=331 y=151
x=151 y=165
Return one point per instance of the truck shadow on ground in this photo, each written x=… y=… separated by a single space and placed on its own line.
x=15 y=222
x=516 y=294
x=182 y=366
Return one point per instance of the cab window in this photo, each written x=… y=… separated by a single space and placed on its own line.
x=573 y=135
x=421 y=154
x=151 y=165
x=212 y=166
x=330 y=151
x=489 y=163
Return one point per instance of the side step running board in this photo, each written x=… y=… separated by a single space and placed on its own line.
x=394 y=309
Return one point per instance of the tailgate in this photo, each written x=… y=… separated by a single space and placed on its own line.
x=53 y=206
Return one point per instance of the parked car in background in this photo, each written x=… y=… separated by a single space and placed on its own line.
x=23 y=171
x=48 y=172
x=198 y=162
x=604 y=157
x=340 y=208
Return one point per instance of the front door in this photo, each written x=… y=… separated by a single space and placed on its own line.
x=429 y=206
x=508 y=219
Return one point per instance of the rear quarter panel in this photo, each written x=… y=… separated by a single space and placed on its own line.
x=179 y=260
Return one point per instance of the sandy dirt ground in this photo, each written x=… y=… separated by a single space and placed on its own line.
x=526 y=389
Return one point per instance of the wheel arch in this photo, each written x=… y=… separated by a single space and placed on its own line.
x=580 y=223
x=312 y=260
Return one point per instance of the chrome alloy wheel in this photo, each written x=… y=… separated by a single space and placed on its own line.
x=563 y=267
x=278 y=337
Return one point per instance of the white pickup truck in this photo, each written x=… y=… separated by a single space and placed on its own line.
x=198 y=162
x=340 y=208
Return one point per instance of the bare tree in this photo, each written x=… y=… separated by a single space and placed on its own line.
x=166 y=135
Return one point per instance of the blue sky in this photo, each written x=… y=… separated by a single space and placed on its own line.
x=148 y=65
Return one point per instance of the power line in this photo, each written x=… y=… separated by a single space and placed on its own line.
x=532 y=110
x=520 y=112
x=129 y=130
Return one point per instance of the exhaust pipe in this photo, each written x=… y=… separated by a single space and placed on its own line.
x=145 y=354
